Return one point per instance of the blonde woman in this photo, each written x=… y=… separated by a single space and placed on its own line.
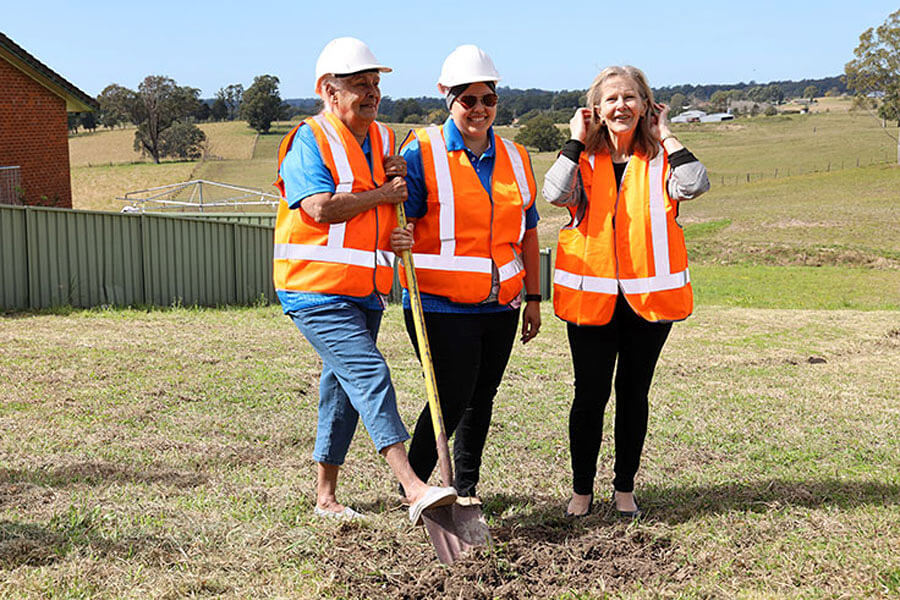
x=621 y=275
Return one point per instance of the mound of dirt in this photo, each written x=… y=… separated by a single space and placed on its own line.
x=527 y=562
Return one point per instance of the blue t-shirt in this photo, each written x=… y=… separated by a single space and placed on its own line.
x=416 y=206
x=304 y=173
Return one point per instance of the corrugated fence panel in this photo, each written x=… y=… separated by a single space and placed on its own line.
x=253 y=263
x=192 y=261
x=13 y=259
x=82 y=258
x=265 y=219
x=54 y=257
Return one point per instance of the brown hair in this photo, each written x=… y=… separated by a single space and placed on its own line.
x=597 y=139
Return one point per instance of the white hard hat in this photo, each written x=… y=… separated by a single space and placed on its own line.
x=467 y=64
x=343 y=56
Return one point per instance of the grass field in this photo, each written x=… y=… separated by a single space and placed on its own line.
x=165 y=453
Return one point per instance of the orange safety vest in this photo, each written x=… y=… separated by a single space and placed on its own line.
x=352 y=258
x=465 y=231
x=626 y=240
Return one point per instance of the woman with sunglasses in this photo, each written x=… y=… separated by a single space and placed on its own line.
x=621 y=267
x=475 y=249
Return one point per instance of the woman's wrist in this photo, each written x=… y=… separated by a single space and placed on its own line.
x=533 y=297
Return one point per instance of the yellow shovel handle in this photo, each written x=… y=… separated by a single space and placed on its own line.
x=434 y=404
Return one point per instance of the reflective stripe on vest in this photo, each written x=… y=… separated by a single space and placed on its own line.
x=299 y=264
x=646 y=294
x=446 y=258
x=458 y=264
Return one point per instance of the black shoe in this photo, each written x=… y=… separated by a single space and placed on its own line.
x=570 y=515
x=627 y=514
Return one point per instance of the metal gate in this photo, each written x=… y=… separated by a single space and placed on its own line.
x=10 y=186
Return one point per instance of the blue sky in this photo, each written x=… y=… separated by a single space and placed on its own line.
x=551 y=45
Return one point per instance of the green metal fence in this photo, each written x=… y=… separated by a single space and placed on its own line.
x=267 y=219
x=57 y=257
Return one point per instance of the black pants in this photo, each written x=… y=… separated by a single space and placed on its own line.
x=637 y=344
x=470 y=352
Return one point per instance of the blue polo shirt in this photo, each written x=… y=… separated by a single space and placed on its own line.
x=416 y=206
x=304 y=173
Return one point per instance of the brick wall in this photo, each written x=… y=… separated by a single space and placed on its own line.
x=34 y=136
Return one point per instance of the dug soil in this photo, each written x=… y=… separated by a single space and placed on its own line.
x=542 y=561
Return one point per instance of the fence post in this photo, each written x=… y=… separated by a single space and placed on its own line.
x=546 y=272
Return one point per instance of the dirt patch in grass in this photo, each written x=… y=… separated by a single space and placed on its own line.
x=734 y=253
x=532 y=561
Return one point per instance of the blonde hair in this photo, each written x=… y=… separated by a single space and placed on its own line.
x=597 y=138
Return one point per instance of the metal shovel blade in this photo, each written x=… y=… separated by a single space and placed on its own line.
x=455 y=529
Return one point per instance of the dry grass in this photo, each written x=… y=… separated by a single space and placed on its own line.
x=165 y=454
x=228 y=140
x=96 y=188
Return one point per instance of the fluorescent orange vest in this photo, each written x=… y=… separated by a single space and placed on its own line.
x=626 y=240
x=351 y=258
x=464 y=233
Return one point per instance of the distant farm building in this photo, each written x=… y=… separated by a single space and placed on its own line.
x=34 y=145
x=717 y=117
x=698 y=116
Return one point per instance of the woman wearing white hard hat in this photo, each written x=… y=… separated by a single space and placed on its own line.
x=621 y=274
x=474 y=242
x=332 y=265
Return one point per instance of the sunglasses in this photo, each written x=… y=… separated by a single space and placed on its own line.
x=469 y=101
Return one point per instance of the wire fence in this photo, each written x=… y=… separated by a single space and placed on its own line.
x=10 y=186
x=724 y=179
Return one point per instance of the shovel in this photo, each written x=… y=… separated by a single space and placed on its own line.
x=453 y=529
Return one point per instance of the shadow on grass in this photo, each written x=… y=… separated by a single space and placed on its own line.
x=38 y=545
x=96 y=473
x=543 y=519
x=674 y=504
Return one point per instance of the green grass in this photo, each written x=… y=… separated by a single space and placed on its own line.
x=165 y=454
x=790 y=143
x=767 y=286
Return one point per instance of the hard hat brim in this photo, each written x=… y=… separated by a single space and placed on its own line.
x=457 y=81
x=371 y=67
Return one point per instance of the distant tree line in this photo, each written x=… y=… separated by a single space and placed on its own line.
x=165 y=114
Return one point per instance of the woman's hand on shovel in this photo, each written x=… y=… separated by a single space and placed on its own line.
x=402 y=239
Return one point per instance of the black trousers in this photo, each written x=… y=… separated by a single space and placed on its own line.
x=635 y=344
x=470 y=352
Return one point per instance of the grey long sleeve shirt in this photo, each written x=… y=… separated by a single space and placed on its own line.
x=563 y=185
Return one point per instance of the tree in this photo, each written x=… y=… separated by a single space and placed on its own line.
x=73 y=122
x=719 y=101
x=438 y=116
x=182 y=140
x=406 y=107
x=876 y=68
x=219 y=110
x=231 y=97
x=261 y=103
x=676 y=103
x=810 y=92
x=117 y=104
x=504 y=116
x=541 y=133
x=202 y=113
x=774 y=94
x=89 y=121
x=160 y=104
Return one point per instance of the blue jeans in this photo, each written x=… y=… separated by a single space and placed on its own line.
x=355 y=379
